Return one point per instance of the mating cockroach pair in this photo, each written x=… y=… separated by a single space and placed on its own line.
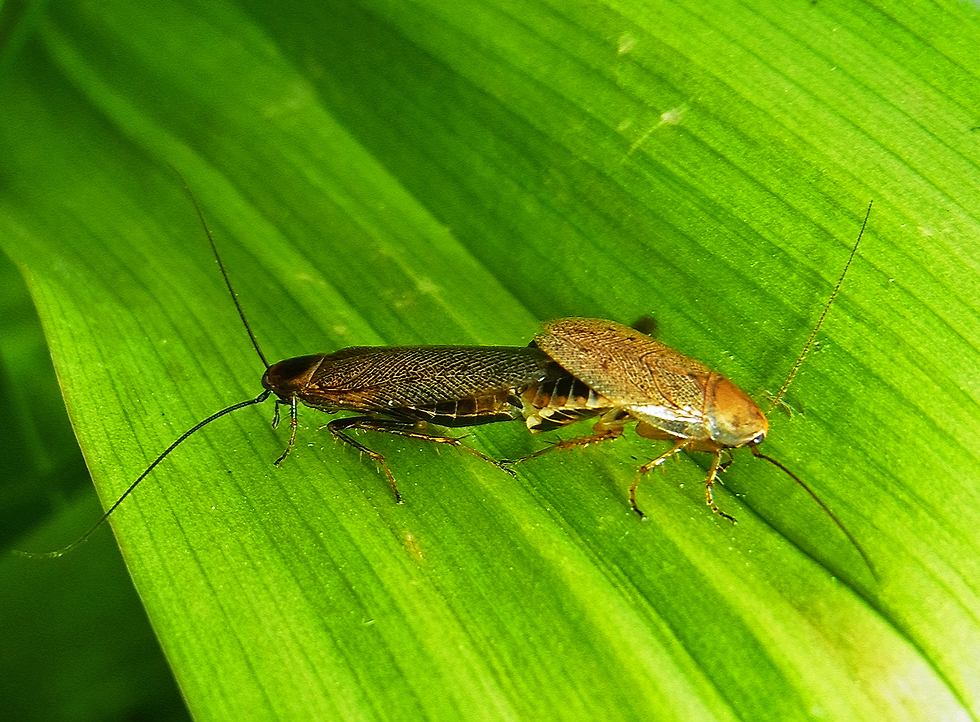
x=576 y=369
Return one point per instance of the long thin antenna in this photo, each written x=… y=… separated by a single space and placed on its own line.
x=257 y=400
x=840 y=525
x=826 y=309
x=224 y=273
x=64 y=550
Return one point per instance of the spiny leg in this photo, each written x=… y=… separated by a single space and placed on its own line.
x=293 y=423
x=599 y=436
x=709 y=484
x=399 y=428
x=649 y=465
x=336 y=429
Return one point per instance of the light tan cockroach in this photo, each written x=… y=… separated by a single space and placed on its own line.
x=395 y=390
x=625 y=376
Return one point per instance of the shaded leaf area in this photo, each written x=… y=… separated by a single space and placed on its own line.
x=399 y=173
x=77 y=642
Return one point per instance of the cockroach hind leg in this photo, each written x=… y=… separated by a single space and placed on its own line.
x=399 y=428
x=578 y=441
x=552 y=445
x=454 y=441
x=457 y=443
x=502 y=465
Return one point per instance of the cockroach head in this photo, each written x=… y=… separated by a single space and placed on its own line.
x=287 y=378
x=734 y=419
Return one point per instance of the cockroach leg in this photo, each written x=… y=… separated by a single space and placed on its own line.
x=709 y=485
x=336 y=429
x=293 y=424
x=647 y=467
x=409 y=430
x=602 y=435
x=725 y=464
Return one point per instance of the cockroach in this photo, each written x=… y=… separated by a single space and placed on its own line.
x=624 y=376
x=394 y=390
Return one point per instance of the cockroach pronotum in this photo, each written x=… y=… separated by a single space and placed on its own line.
x=395 y=390
x=624 y=376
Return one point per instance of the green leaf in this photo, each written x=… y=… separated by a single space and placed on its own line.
x=456 y=172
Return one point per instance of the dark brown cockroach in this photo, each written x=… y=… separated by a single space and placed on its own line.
x=624 y=376
x=394 y=390
x=401 y=389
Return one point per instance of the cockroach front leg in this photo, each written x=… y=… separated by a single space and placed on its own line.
x=293 y=423
x=709 y=484
x=709 y=481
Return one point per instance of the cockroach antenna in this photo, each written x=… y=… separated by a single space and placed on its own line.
x=166 y=452
x=777 y=399
x=393 y=390
x=132 y=487
x=224 y=273
x=623 y=376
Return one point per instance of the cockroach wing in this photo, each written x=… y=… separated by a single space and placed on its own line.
x=624 y=365
x=375 y=379
x=653 y=382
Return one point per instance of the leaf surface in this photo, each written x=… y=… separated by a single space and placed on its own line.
x=396 y=173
